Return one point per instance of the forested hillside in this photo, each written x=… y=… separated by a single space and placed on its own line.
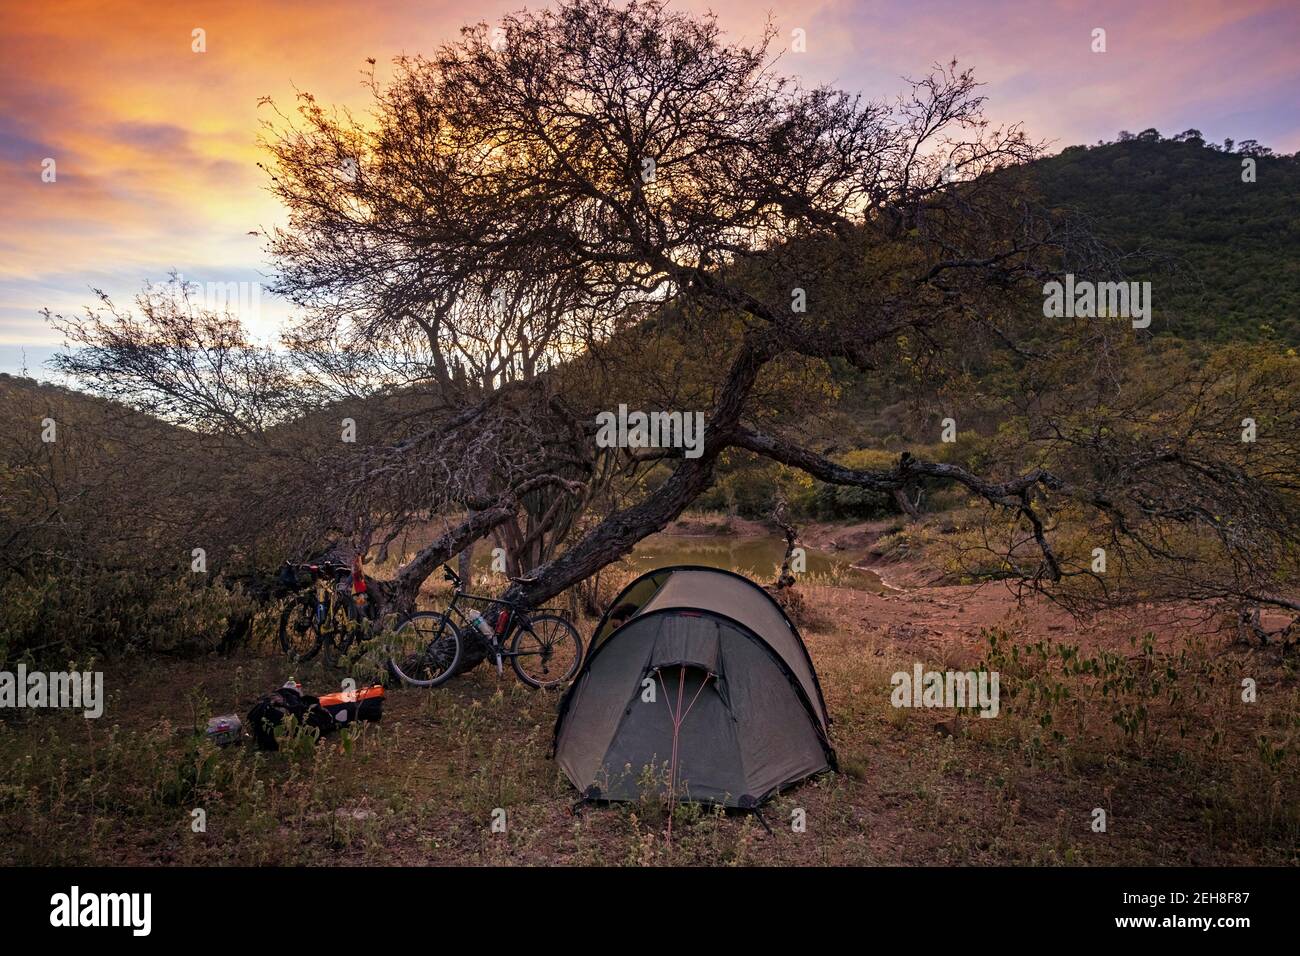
x=1223 y=257
x=1229 y=250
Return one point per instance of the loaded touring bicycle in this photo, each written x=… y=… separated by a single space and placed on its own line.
x=430 y=647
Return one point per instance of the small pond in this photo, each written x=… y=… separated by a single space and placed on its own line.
x=757 y=557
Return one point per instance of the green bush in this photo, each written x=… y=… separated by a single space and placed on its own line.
x=747 y=487
x=50 y=616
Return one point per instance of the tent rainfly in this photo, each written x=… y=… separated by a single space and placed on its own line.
x=697 y=686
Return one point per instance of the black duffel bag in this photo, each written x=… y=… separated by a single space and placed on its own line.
x=270 y=712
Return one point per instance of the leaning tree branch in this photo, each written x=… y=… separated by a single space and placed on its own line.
x=406 y=585
x=1016 y=493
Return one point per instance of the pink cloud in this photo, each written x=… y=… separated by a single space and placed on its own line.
x=156 y=144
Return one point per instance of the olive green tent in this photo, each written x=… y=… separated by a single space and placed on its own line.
x=698 y=685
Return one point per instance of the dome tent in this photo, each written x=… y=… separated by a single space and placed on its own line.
x=696 y=683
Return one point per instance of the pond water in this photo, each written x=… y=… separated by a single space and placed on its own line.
x=756 y=557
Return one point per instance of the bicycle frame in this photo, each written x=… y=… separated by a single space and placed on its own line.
x=499 y=638
x=498 y=646
x=328 y=597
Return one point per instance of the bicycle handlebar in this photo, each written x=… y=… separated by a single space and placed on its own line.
x=516 y=606
x=331 y=568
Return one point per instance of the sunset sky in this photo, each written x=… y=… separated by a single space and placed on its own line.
x=156 y=151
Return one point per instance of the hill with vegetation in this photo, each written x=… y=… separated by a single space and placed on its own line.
x=1223 y=257
x=1223 y=254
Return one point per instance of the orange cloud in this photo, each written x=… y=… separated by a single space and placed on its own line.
x=155 y=144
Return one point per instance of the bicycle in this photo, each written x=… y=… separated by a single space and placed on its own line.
x=330 y=616
x=544 y=649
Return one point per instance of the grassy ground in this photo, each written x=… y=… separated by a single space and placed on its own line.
x=1153 y=732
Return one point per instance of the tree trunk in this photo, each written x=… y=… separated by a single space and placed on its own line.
x=905 y=504
x=403 y=590
x=465 y=565
x=613 y=537
x=619 y=533
x=784 y=577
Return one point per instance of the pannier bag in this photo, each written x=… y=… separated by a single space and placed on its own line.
x=347 y=706
x=271 y=711
x=326 y=713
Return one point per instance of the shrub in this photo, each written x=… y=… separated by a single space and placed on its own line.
x=50 y=616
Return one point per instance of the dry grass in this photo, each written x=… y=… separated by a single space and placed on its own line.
x=1184 y=769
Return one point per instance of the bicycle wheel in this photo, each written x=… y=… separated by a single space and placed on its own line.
x=300 y=633
x=425 y=649
x=337 y=632
x=546 y=650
